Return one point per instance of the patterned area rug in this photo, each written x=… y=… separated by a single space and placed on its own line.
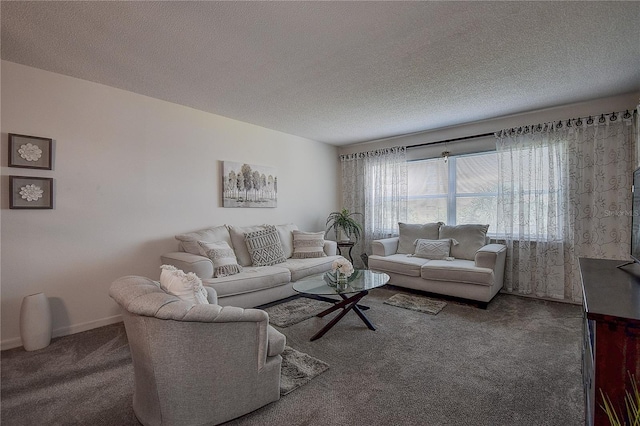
x=298 y=369
x=294 y=311
x=416 y=303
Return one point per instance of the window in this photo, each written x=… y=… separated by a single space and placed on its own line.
x=462 y=190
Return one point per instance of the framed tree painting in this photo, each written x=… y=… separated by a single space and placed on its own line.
x=28 y=192
x=30 y=152
x=248 y=185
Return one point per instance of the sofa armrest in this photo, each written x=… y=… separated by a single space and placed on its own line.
x=330 y=247
x=199 y=265
x=490 y=255
x=385 y=247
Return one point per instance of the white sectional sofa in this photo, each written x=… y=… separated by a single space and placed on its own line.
x=253 y=285
x=472 y=269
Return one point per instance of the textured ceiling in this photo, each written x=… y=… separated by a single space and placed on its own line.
x=338 y=72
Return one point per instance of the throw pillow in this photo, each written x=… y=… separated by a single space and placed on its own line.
x=471 y=238
x=239 y=245
x=410 y=232
x=285 y=232
x=264 y=246
x=433 y=249
x=187 y=287
x=189 y=241
x=223 y=258
x=308 y=244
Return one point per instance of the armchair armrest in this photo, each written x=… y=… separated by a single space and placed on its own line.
x=385 y=247
x=212 y=295
x=276 y=341
x=491 y=255
x=330 y=247
x=268 y=341
x=199 y=265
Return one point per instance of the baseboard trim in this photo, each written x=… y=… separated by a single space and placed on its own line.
x=16 y=342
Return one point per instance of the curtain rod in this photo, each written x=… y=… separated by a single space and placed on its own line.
x=452 y=140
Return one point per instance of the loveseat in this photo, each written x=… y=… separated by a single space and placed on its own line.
x=455 y=261
x=239 y=262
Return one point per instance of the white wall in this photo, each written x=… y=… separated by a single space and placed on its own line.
x=130 y=172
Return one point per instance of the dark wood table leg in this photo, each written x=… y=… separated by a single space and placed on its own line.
x=328 y=299
x=364 y=318
x=342 y=305
x=347 y=304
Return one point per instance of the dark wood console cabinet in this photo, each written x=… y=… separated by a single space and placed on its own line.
x=611 y=349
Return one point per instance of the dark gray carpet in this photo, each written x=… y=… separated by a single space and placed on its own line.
x=79 y=379
x=416 y=303
x=293 y=311
x=515 y=363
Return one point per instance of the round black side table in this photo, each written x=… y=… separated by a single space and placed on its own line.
x=346 y=244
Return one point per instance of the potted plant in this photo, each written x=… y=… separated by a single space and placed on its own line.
x=344 y=221
x=631 y=402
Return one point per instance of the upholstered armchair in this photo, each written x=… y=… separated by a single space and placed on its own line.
x=196 y=364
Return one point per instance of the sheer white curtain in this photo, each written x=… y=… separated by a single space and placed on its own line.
x=374 y=183
x=564 y=193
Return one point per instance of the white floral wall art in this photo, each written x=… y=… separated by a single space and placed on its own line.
x=30 y=152
x=31 y=192
x=27 y=192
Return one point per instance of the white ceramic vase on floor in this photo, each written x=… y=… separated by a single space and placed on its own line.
x=35 y=322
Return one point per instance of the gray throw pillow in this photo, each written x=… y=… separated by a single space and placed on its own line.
x=432 y=249
x=410 y=232
x=265 y=247
x=239 y=245
x=471 y=238
x=189 y=241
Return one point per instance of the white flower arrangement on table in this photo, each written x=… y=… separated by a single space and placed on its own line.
x=343 y=266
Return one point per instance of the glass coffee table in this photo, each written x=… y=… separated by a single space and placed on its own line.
x=357 y=286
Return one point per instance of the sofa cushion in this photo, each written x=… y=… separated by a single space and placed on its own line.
x=265 y=247
x=308 y=245
x=432 y=249
x=459 y=271
x=301 y=268
x=285 y=232
x=223 y=258
x=249 y=280
x=187 y=287
x=471 y=238
x=239 y=246
x=398 y=263
x=189 y=241
x=410 y=232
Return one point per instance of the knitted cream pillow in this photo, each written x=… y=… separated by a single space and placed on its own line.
x=308 y=245
x=187 y=287
x=264 y=246
x=433 y=249
x=223 y=258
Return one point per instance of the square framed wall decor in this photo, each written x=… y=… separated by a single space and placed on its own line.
x=30 y=152
x=28 y=192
